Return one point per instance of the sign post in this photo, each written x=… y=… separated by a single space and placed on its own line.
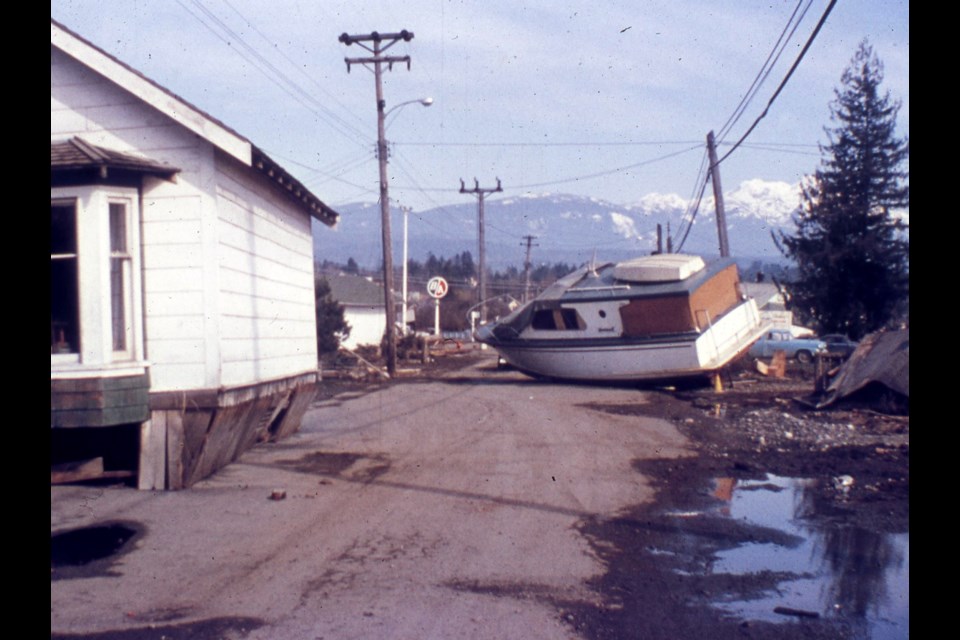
x=437 y=287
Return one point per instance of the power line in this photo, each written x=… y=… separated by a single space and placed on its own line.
x=546 y=144
x=330 y=95
x=765 y=70
x=783 y=83
x=273 y=74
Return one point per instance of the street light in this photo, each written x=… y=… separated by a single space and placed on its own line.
x=385 y=211
x=424 y=101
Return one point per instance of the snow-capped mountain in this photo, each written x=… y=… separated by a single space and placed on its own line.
x=566 y=228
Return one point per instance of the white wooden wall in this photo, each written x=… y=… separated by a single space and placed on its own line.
x=227 y=264
x=265 y=260
x=367 y=325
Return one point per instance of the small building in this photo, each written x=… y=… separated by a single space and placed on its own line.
x=182 y=325
x=363 y=307
x=773 y=307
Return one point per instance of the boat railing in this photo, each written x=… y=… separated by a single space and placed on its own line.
x=609 y=287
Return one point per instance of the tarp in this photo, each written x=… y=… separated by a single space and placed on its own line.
x=881 y=358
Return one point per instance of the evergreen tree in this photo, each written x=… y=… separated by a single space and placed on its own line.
x=851 y=251
x=332 y=328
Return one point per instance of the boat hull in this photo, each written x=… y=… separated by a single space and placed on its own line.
x=623 y=359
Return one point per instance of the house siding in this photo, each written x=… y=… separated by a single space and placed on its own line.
x=266 y=271
x=226 y=269
x=367 y=325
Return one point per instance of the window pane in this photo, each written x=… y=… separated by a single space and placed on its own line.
x=64 y=285
x=118 y=284
x=118 y=228
x=63 y=228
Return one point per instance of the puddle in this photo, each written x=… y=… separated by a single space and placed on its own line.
x=91 y=551
x=843 y=572
x=83 y=546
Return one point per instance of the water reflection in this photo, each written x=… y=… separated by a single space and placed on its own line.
x=843 y=570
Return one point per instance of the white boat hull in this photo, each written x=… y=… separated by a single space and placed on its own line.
x=664 y=358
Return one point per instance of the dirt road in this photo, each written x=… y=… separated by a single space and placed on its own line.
x=409 y=510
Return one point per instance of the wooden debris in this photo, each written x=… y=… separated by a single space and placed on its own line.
x=777 y=367
x=80 y=470
x=800 y=613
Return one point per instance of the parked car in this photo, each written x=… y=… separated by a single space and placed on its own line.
x=840 y=345
x=801 y=349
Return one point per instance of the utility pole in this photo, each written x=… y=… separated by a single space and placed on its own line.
x=718 y=196
x=482 y=294
x=377 y=61
x=526 y=267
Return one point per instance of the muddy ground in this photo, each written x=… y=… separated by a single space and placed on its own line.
x=656 y=585
x=657 y=581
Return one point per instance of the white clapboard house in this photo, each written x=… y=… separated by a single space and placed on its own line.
x=182 y=324
x=363 y=308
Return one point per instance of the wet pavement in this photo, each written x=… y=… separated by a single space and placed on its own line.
x=494 y=506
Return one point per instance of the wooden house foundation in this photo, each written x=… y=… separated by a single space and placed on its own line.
x=192 y=434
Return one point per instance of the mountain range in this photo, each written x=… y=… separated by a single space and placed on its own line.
x=565 y=228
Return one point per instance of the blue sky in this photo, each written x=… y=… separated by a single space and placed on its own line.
x=610 y=99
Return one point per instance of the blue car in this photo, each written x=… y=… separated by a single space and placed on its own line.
x=801 y=349
x=839 y=345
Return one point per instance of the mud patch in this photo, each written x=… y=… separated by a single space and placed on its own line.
x=622 y=409
x=355 y=467
x=91 y=551
x=234 y=628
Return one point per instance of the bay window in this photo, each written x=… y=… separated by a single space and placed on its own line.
x=94 y=288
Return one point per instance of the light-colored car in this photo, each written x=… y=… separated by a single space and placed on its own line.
x=839 y=345
x=801 y=349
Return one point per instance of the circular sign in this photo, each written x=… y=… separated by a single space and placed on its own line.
x=437 y=287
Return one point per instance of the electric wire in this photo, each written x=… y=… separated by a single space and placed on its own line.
x=766 y=68
x=783 y=82
x=273 y=74
x=330 y=95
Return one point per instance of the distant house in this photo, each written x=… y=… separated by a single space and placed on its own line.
x=772 y=306
x=182 y=326
x=363 y=307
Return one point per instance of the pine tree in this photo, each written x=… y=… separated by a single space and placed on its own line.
x=850 y=249
x=332 y=328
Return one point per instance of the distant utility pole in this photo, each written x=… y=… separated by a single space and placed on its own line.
x=377 y=61
x=718 y=196
x=482 y=294
x=526 y=266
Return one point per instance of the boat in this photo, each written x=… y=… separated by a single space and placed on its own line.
x=657 y=317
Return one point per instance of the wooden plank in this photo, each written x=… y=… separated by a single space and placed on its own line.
x=290 y=422
x=76 y=470
x=175 y=446
x=153 y=454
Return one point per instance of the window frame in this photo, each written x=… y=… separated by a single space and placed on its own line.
x=96 y=207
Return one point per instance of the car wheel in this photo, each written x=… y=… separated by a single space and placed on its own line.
x=804 y=356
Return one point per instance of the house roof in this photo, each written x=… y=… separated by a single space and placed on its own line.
x=77 y=154
x=353 y=290
x=767 y=294
x=189 y=116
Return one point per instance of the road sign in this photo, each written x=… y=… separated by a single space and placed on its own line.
x=437 y=287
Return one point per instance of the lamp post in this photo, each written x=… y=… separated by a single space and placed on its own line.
x=406 y=210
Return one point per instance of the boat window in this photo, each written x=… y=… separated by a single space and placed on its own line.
x=557 y=320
